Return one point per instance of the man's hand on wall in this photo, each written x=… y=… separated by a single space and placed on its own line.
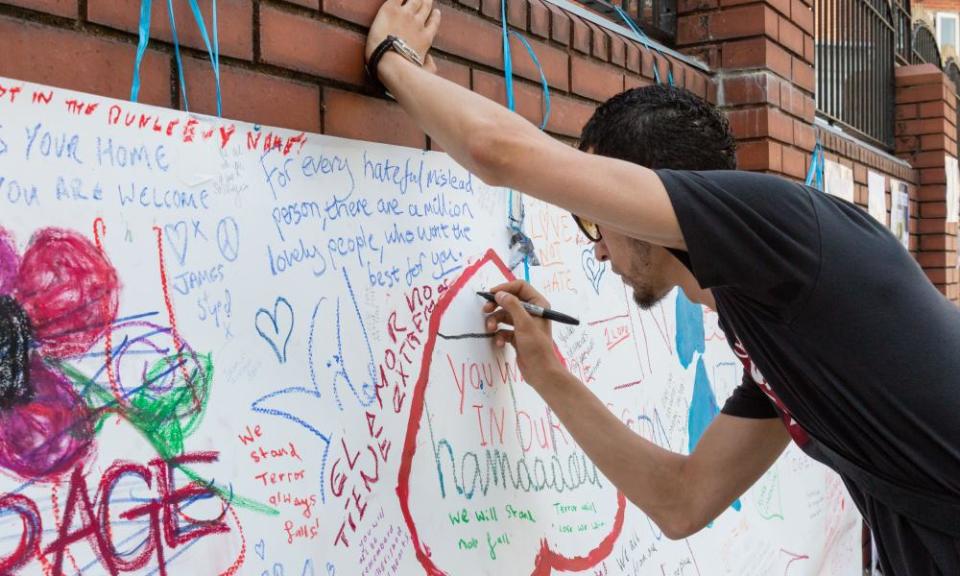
x=414 y=21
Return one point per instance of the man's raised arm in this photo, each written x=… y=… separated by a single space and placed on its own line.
x=503 y=149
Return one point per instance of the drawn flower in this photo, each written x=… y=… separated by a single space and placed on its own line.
x=55 y=303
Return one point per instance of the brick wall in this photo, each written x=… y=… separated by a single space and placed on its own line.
x=298 y=64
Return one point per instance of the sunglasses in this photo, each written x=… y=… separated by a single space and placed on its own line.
x=589 y=229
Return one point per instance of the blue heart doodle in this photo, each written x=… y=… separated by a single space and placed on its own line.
x=260 y=549
x=592 y=268
x=177 y=235
x=275 y=328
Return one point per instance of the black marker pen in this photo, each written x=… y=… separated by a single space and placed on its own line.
x=535 y=310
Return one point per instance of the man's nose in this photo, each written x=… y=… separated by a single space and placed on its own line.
x=600 y=251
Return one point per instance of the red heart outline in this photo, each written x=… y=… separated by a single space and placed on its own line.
x=547 y=559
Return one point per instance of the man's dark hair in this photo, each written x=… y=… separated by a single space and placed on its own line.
x=661 y=127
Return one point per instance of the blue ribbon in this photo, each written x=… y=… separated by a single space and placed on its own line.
x=516 y=220
x=213 y=49
x=645 y=43
x=176 y=51
x=815 y=174
x=141 y=48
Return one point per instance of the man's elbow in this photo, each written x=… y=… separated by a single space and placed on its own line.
x=680 y=527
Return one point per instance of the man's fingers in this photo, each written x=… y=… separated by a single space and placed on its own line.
x=502 y=338
x=424 y=11
x=518 y=316
x=413 y=5
x=524 y=291
x=497 y=318
x=433 y=23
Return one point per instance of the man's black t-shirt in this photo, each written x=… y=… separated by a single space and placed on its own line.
x=845 y=338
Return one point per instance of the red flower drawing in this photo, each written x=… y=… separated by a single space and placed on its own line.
x=55 y=303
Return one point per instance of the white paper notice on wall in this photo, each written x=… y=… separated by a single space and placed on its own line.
x=838 y=180
x=256 y=351
x=900 y=212
x=876 y=199
x=953 y=189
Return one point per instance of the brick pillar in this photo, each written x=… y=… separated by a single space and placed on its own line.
x=763 y=55
x=926 y=133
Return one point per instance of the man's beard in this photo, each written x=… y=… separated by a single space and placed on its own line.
x=646 y=298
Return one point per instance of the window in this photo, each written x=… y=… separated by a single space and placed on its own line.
x=947 y=30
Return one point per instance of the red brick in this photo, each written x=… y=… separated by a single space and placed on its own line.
x=560 y=25
x=740 y=22
x=453 y=71
x=582 y=37
x=809 y=51
x=517 y=14
x=918 y=74
x=490 y=9
x=618 y=51
x=688 y=6
x=922 y=126
x=712 y=92
x=757 y=53
x=937 y=109
x=593 y=80
x=470 y=37
x=253 y=97
x=354 y=116
x=568 y=115
x=782 y=6
x=928 y=159
x=935 y=242
x=933 y=176
x=907 y=144
x=938 y=243
x=357 y=11
x=802 y=16
x=934 y=259
x=553 y=60
x=794 y=162
x=539 y=19
x=759 y=155
x=599 y=42
x=933 y=142
x=311 y=46
x=527 y=98
x=697 y=83
x=753 y=88
x=804 y=75
x=932 y=192
x=859 y=172
x=234 y=22
x=933 y=209
x=693 y=29
x=791 y=37
x=633 y=57
x=709 y=54
x=66 y=8
x=921 y=93
x=761 y=122
x=906 y=111
x=76 y=61
x=805 y=137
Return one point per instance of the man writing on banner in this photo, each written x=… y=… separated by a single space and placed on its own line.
x=848 y=349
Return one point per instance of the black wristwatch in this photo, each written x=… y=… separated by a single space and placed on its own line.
x=397 y=45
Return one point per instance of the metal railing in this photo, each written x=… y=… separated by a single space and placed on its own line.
x=902 y=17
x=925 y=49
x=856 y=44
x=657 y=18
x=953 y=72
